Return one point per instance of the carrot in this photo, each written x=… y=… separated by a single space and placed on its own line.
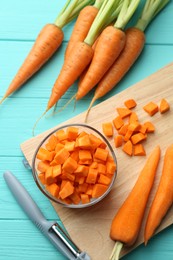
x=79 y=58
x=164 y=106
x=118 y=140
x=127 y=221
x=163 y=197
x=110 y=44
x=135 y=40
x=46 y=44
x=151 y=108
x=130 y=103
x=82 y=25
x=128 y=148
x=107 y=129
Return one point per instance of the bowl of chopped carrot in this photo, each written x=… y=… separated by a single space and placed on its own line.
x=75 y=166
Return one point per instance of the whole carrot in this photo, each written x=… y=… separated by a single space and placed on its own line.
x=135 y=40
x=46 y=44
x=80 y=57
x=82 y=25
x=126 y=224
x=109 y=46
x=163 y=198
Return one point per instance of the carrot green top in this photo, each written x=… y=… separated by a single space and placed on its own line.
x=150 y=10
x=70 y=10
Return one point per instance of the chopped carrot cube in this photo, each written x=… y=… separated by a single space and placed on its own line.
x=67 y=175
x=85 y=155
x=56 y=170
x=104 y=179
x=80 y=179
x=69 y=165
x=89 y=189
x=128 y=135
x=72 y=132
x=41 y=177
x=58 y=147
x=107 y=129
x=84 y=142
x=98 y=190
x=133 y=118
x=101 y=168
x=128 y=148
x=136 y=138
x=49 y=176
x=67 y=190
x=92 y=176
x=83 y=187
x=123 y=129
x=123 y=112
x=110 y=168
x=82 y=170
x=53 y=189
x=164 y=106
x=139 y=149
x=142 y=129
x=151 y=108
x=118 y=140
x=43 y=166
x=101 y=154
x=61 y=156
x=149 y=127
x=70 y=146
x=118 y=122
x=130 y=103
x=61 y=135
x=52 y=142
x=85 y=198
x=53 y=163
x=134 y=126
x=44 y=155
x=75 y=197
x=94 y=165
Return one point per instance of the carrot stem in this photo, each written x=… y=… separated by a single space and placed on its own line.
x=116 y=251
x=127 y=10
x=151 y=9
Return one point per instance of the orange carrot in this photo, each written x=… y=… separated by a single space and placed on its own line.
x=82 y=25
x=130 y=103
x=110 y=44
x=163 y=198
x=164 y=106
x=46 y=44
x=151 y=108
x=135 y=40
x=127 y=221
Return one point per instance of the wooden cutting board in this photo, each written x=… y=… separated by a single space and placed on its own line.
x=90 y=227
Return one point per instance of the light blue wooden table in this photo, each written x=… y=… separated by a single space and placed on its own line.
x=20 y=21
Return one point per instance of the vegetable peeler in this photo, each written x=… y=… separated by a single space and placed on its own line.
x=58 y=237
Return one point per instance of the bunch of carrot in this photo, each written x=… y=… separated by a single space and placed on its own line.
x=127 y=222
x=47 y=43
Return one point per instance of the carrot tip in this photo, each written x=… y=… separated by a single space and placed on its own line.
x=33 y=129
x=67 y=103
x=89 y=108
x=2 y=100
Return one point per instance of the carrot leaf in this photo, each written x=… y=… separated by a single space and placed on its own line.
x=150 y=10
x=127 y=10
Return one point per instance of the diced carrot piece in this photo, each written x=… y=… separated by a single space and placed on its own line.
x=43 y=166
x=82 y=170
x=142 y=129
x=70 y=146
x=80 y=179
x=58 y=147
x=67 y=190
x=63 y=182
x=85 y=155
x=123 y=130
x=164 y=106
x=94 y=165
x=134 y=126
x=130 y=103
x=89 y=189
x=53 y=189
x=67 y=175
x=151 y=108
x=136 y=138
x=123 y=112
x=133 y=118
x=52 y=142
x=139 y=150
x=103 y=179
x=82 y=134
x=61 y=135
x=44 y=155
x=49 y=176
x=101 y=154
x=95 y=141
x=84 y=142
x=83 y=187
x=128 y=135
x=118 y=140
x=149 y=127
x=53 y=163
x=107 y=129
x=75 y=198
x=99 y=190
x=85 y=198
x=69 y=165
x=92 y=176
x=56 y=171
x=75 y=155
x=110 y=168
x=85 y=162
x=101 y=168
x=41 y=177
x=128 y=148
x=72 y=132
x=118 y=122
x=61 y=156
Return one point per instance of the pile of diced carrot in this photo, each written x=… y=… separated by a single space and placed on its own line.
x=130 y=132
x=75 y=166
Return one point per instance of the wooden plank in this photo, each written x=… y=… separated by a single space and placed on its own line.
x=84 y=224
